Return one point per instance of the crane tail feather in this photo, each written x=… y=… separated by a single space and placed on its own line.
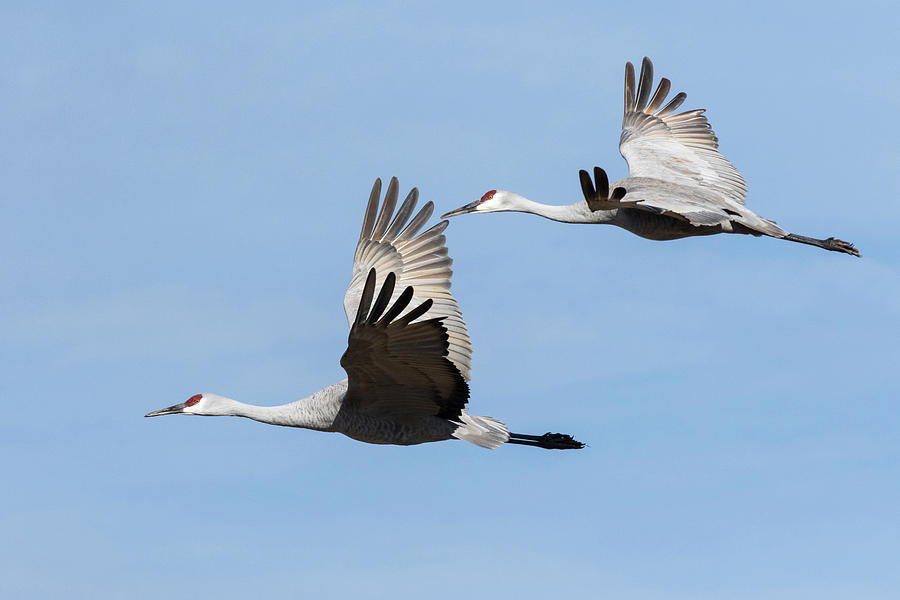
x=485 y=432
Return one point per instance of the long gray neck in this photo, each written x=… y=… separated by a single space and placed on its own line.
x=288 y=415
x=313 y=412
x=567 y=213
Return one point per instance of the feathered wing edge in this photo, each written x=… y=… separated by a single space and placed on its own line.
x=650 y=197
x=638 y=196
x=599 y=198
x=392 y=243
x=396 y=365
x=681 y=148
x=415 y=344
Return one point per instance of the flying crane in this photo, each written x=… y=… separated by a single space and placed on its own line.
x=407 y=374
x=678 y=184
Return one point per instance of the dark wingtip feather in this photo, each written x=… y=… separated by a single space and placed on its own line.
x=644 y=85
x=365 y=300
x=371 y=210
x=629 y=87
x=674 y=103
x=602 y=183
x=594 y=196
x=401 y=303
x=402 y=216
x=437 y=228
x=384 y=296
x=662 y=90
x=416 y=223
x=387 y=209
x=415 y=313
x=587 y=186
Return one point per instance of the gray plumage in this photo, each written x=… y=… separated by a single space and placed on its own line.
x=679 y=185
x=407 y=370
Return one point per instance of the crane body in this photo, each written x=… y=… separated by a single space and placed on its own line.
x=407 y=370
x=322 y=411
x=679 y=185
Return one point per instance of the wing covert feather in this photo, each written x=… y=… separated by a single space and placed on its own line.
x=417 y=259
x=678 y=148
x=399 y=367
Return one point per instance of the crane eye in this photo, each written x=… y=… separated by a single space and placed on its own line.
x=193 y=400
x=488 y=196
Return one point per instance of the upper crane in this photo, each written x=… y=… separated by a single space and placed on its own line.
x=679 y=185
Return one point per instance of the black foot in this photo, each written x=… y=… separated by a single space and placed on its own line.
x=841 y=246
x=833 y=244
x=549 y=441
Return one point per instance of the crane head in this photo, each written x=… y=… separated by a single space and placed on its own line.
x=492 y=201
x=198 y=404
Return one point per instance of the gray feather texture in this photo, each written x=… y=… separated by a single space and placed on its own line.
x=679 y=184
x=680 y=148
x=418 y=260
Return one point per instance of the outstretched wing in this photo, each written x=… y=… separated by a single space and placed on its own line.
x=397 y=367
x=389 y=244
x=690 y=204
x=679 y=148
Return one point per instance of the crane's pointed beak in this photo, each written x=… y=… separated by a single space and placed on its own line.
x=462 y=210
x=172 y=410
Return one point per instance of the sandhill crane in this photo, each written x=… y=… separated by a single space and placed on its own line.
x=406 y=378
x=678 y=185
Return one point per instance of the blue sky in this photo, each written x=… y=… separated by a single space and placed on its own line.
x=182 y=192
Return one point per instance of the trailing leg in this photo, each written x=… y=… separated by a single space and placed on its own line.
x=833 y=244
x=549 y=441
